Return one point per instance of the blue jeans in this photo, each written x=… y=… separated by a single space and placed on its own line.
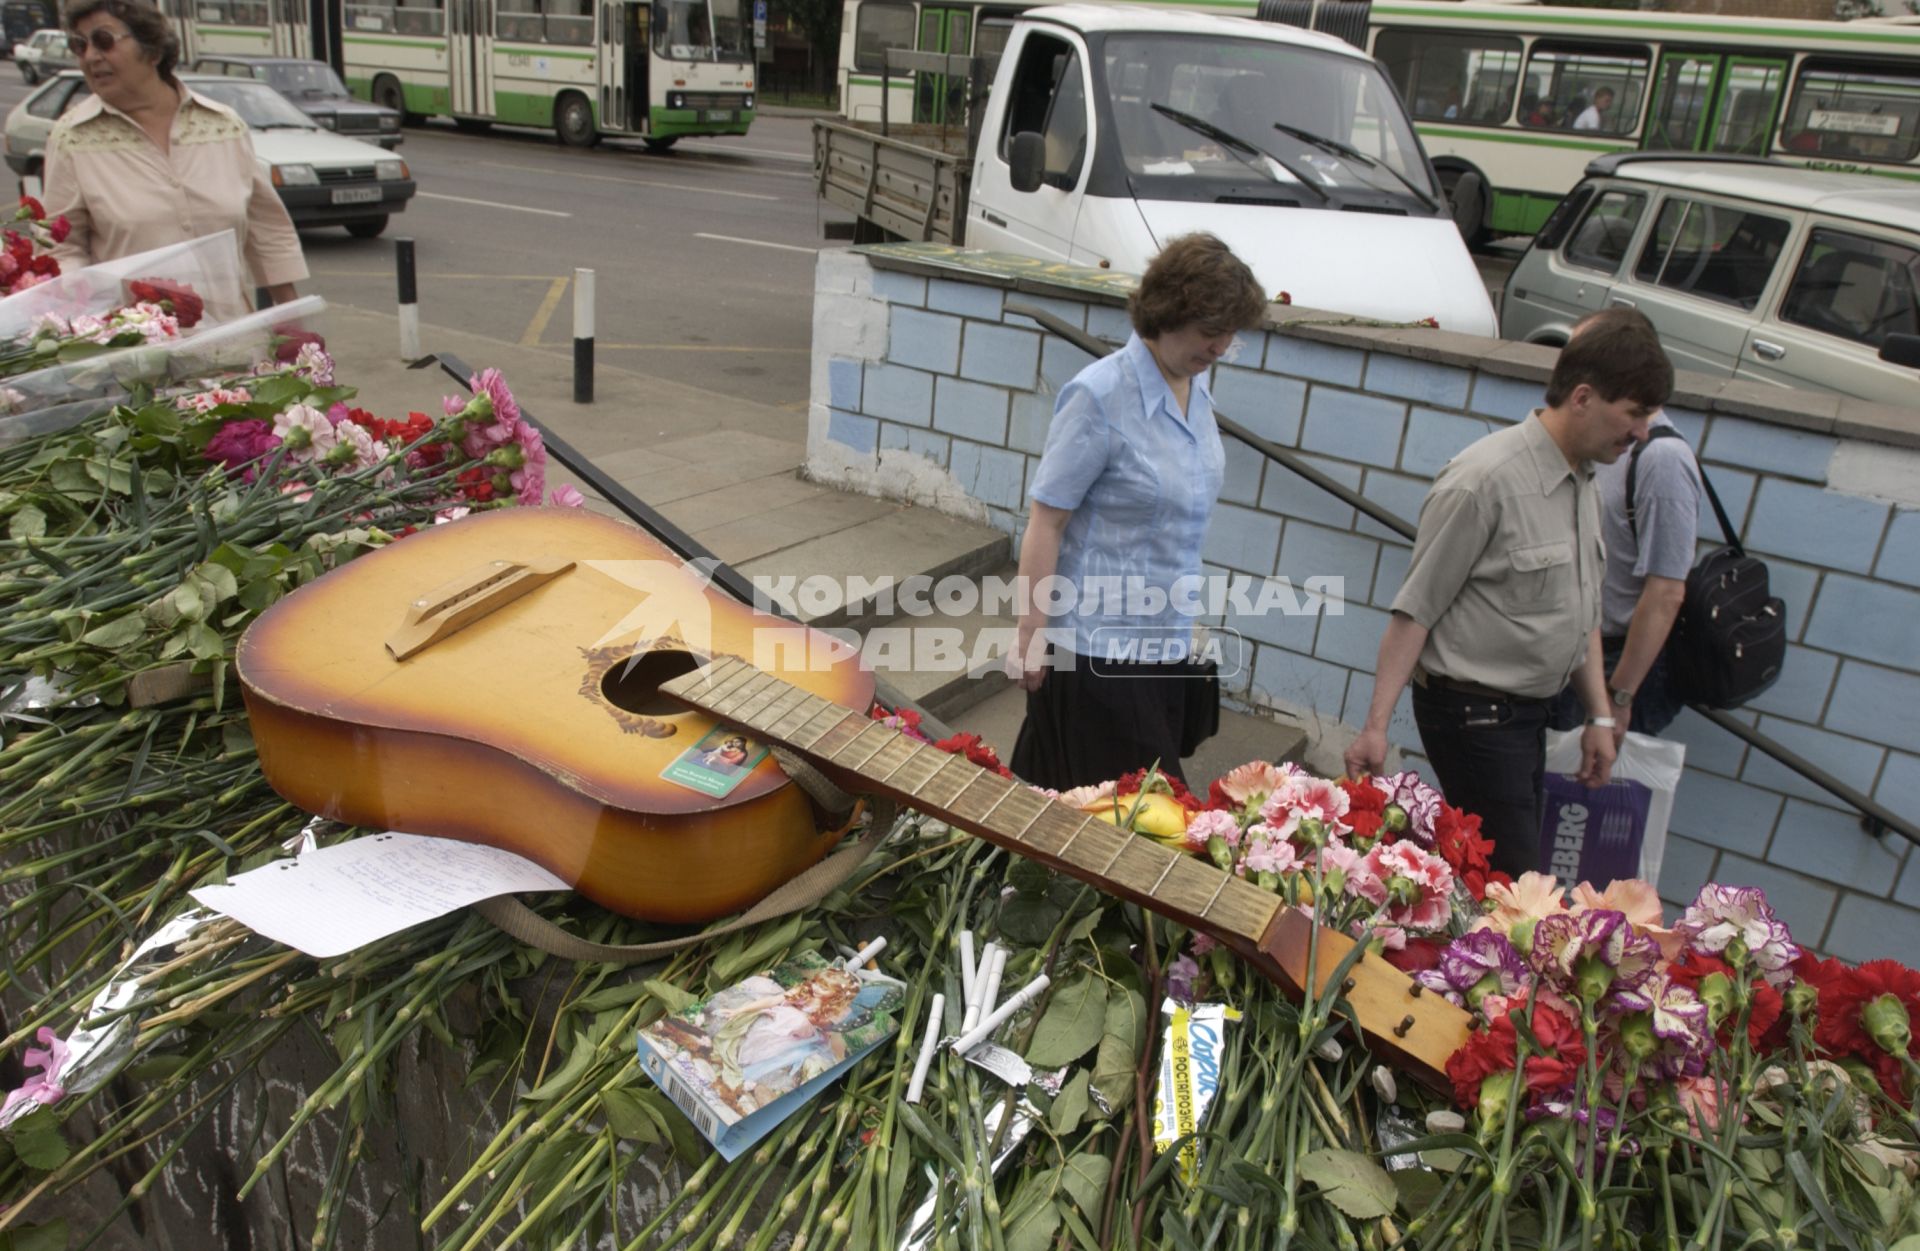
x=1489 y=756
x=1654 y=704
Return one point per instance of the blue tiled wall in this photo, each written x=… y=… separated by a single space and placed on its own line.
x=969 y=390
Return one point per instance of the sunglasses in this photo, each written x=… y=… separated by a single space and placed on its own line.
x=102 y=41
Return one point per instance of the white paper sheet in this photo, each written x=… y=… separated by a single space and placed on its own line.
x=332 y=900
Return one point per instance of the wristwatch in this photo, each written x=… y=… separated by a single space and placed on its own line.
x=1621 y=698
x=1602 y=723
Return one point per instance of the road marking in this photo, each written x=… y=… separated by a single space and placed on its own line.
x=693 y=347
x=631 y=182
x=758 y=243
x=517 y=208
x=544 y=314
x=387 y=273
x=728 y=150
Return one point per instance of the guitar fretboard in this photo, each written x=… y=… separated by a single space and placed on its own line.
x=1006 y=813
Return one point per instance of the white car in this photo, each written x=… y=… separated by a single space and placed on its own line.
x=324 y=179
x=42 y=55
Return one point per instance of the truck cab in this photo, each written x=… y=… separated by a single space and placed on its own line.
x=1112 y=129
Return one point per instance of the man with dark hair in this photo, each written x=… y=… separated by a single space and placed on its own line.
x=1650 y=537
x=1500 y=607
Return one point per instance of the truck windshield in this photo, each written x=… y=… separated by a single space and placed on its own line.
x=701 y=30
x=1321 y=115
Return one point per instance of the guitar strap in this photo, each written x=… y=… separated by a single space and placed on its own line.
x=518 y=921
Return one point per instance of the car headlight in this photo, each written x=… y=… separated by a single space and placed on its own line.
x=388 y=171
x=295 y=176
x=389 y=123
x=325 y=121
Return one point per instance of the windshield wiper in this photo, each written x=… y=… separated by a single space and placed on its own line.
x=1340 y=149
x=1235 y=144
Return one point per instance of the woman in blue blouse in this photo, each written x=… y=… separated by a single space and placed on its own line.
x=1120 y=506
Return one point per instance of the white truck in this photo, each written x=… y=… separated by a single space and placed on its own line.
x=1110 y=129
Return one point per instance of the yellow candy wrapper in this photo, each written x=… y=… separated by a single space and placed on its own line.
x=1190 y=1052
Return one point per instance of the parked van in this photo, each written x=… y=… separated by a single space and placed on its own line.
x=1109 y=130
x=1763 y=271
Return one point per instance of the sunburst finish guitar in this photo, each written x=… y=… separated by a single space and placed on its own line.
x=496 y=680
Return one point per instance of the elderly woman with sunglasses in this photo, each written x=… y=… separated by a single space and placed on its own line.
x=143 y=162
x=1121 y=501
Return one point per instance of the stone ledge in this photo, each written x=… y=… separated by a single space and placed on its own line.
x=1814 y=411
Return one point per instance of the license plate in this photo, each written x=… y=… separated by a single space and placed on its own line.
x=719 y=115
x=356 y=195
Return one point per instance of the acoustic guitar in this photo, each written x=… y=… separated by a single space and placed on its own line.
x=1413 y=1031
x=496 y=680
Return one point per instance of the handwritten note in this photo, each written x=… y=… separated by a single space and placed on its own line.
x=334 y=899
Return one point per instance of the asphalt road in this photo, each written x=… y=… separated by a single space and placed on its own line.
x=703 y=256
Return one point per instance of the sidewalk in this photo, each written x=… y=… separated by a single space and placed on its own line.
x=727 y=471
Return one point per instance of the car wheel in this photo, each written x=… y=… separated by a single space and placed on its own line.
x=573 y=118
x=368 y=229
x=660 y=144
x=1466 y=194
x=26 y=72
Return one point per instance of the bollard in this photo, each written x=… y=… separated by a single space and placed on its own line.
x=409 y=300
x=583 y=336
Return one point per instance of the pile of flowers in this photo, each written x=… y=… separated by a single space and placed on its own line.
x=24 y=259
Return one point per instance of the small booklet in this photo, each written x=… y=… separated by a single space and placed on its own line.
x=745 y=1059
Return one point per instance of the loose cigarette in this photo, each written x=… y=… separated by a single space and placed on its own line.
x=966 y=966
x=928 y=1042
x=990 y=991
x=999 y=1016
x=975 y=1009
x=866 y=953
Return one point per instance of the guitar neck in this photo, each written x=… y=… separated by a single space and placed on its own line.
x=1010 y=814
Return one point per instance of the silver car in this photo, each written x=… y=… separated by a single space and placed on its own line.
x=1766 y=272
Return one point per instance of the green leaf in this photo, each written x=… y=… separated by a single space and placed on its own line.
x=51 y=1236
x=1029 y=878
x=1070 y=1107
x=274 y=393
x=215 y=582
x=111 y=474
x=1350 y=1181
x=1028 y=922
x=1123 y=1034
x=204 y=641
x=38 y=1142
x=1072 y=1026
x=580 y=1058
x=1085 y=1178
x=687 y=1142
x=187 y=601
x=69 y=477
x=772 y=941
x=1418 y=1189
x=667 y=993
x=1031 y=1218
x=630 y=1118
x=28 y=522
x=122 y=631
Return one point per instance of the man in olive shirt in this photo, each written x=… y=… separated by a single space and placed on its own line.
x=1500 y=607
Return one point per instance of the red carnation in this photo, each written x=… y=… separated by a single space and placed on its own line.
x=292 y=340
x=1131 y=784
x=1419 y=955
x=35 y=209
x=970 y=746
x=1868 y=1013
x=59 y=228
x=1558 y=1068
x=1485 y=1053
x=1457 y=840
x=44 y=264
x=181 y=300
x=1766 y=1028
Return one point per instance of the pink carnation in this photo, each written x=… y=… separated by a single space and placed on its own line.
x=1411 y=885
x=1213 y=823
x=1267 y=853
x=566 y=496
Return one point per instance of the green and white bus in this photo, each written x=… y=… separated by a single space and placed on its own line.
x=1512 y=100
x=656 y=70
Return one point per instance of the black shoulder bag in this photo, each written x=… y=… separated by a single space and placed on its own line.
x=1730 y=639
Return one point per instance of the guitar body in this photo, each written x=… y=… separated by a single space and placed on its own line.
x=495 y=680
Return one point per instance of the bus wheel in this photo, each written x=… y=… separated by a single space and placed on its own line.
x=388 y=95
x=573 y=118
x=472 y=125
x=1466 y=194
x=660 y=143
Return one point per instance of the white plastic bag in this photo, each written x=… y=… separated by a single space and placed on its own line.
x=1594 y=835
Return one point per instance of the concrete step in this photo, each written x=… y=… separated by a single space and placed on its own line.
x=1243 y=736
x=946 y=662
x=896 y=543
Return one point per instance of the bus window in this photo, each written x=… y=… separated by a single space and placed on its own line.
x=990 y=37
x=517 y=20
x=880 y=26
x=1450 y=77
x=1745 y=116
x=700 y=30
x=569 y=21
x=419 y=17
x=1596 y=87
x=1854 y=111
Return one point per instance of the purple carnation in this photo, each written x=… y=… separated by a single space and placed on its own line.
x=1737 y=919
x=1589 y=953
x=240 y=444
x=1677 y=1035
x=1469 y=961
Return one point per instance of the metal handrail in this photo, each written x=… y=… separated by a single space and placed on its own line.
x=688 y=548
x=1875 y=816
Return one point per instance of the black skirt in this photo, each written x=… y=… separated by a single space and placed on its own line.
x=1100 y=719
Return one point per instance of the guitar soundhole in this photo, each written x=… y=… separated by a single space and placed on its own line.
x=634 y=685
